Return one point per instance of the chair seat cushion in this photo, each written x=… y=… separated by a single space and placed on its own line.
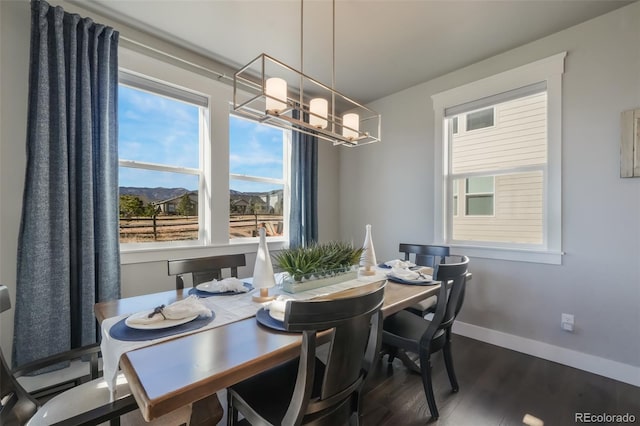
x=78 y=400
x=94 y=394
x=269 y=393
x=405 y=329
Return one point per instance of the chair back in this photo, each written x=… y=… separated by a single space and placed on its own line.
x=450 y=297
x=356 y=324
x=17 y=405
x=426 y=255
x=204 y=268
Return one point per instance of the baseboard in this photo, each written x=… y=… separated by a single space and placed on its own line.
x=604 y=367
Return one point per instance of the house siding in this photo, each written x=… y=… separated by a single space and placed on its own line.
x=518 y=139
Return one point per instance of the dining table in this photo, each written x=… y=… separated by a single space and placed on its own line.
x=185 y=368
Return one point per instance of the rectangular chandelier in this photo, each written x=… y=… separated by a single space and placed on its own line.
x=263 y=90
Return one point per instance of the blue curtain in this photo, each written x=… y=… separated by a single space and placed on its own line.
x=303 y=223
x=68 y=248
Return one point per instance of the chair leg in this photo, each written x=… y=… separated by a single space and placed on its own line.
x=425 y=367
x=232 y=413
x=448 y=362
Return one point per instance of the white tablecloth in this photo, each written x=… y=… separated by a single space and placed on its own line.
x=227 y=309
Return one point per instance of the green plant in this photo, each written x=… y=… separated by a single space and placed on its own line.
x=319 y=259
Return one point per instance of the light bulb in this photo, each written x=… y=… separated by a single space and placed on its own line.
x=319 y=108
x=350 y=125
x=276 y=89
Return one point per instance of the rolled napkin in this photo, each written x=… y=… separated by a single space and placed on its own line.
x=408 y=274
x=397 y=263
x=181 y=309
x=222 y=286
x=277 y=307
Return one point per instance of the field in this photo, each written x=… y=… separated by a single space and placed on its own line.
x=176 y=228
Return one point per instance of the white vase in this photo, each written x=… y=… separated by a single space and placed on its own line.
x=368 y=258
x=263 y=277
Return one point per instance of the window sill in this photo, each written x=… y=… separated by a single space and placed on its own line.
x=512 y=254
x=159 y=254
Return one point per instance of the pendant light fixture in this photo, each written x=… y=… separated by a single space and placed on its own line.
x=270 y=91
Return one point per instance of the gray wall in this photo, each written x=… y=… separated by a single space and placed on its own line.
x=390 y=185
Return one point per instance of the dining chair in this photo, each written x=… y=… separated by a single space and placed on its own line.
x=306 y=390
x=405 y=332
x=85 y=400
x=425 y=255
x=204 y=269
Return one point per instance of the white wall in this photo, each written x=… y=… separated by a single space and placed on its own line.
x=137 y=278
x=390 y=185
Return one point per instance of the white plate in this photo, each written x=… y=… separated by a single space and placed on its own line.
x=160 y=324
x=277 y=315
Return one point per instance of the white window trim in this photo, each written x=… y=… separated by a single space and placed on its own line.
x=215 y=181
x=549 y=69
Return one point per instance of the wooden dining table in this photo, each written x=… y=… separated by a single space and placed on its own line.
x=168 y=375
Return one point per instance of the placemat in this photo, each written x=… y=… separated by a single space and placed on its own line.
x=121 y=331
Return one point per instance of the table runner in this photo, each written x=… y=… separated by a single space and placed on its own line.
x=227 y=309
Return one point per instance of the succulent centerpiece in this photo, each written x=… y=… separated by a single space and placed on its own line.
x=317 y=265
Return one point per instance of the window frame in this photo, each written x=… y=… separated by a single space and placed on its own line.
x=548 y=70
x=214 y=210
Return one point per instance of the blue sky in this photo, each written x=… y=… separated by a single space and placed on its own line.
x=159 y=130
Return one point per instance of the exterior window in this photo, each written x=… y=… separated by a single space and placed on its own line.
x=477 y=120
x=160 y=140
x=258 y=189
x=479 y=196
x=508 y=175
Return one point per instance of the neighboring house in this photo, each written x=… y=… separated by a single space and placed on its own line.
x=262 y=202
x=508 y=206
x=170 y=205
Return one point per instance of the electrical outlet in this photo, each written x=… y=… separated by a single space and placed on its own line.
x=567 y=322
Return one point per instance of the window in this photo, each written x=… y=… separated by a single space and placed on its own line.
x=477 y=120
x=159 y=142
x=510 y=172
x=257 y=184
x=479 y=196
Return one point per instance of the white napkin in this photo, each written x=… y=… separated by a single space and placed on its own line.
x=277 y=307
x=222 y=286
x=408 y=274
x=177 y=310
x=397 y=263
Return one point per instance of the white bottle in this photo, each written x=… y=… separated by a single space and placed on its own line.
x=368 y=258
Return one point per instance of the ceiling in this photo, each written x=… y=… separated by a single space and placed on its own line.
x=382 y=46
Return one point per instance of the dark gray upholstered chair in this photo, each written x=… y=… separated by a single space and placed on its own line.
x=425 y=255
x=84 y=400
x=204 y=268
x=306 y=390
x=405 y=332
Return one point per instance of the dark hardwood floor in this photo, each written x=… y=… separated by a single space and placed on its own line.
x=497 y=387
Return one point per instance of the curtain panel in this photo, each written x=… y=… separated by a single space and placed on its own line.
x=68 y=248
x=303 y=223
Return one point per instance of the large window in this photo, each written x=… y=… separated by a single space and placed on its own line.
x=508 y=174
x=258 y=187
